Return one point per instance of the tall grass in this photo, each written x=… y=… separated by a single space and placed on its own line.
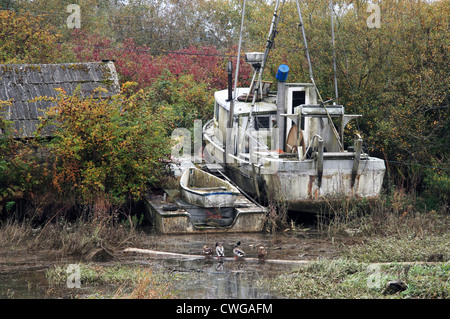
x=348 y=279
x=117 y=282
x=68 y=238
x=395 y=213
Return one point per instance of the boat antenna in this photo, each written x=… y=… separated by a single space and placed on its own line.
x=334 y=54
x=239 y=50
x=311 y=76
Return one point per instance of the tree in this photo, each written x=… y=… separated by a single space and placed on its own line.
x=109 y=149
x=22 y=40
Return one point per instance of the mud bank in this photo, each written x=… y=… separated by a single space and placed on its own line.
x=23 y=273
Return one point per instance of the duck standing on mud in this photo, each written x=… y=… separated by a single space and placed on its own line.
x=262 y=252
x=207 y=250
x=238 y=253
x=220 y=251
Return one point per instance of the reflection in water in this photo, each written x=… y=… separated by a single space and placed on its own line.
x=219 y=280
x=24 y=285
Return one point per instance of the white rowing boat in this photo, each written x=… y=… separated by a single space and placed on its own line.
x=206 y=190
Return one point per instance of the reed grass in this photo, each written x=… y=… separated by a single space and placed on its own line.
x=67 y=238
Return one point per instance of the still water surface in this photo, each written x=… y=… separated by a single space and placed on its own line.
x=23 y=276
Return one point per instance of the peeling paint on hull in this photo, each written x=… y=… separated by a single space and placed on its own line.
x=297 y=182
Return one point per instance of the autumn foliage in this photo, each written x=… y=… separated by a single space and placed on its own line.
x=106 y=148
x=22 y=40
x=143 y=65
x=396 y=76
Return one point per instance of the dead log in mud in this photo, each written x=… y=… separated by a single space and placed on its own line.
x=178 y=255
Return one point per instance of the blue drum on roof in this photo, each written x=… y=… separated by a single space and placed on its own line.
x=282 y=73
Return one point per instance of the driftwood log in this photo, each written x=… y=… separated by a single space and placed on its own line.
x=279 y=261
x=178 y=255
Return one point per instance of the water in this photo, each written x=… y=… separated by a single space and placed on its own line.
x=223 y=280
x=206 y=279
x=23 y=285
x=22 y=275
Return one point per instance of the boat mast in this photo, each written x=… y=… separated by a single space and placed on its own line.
x=270 y=39
x=260 y=69
x=311 y=76
x=336 y=134
x=334 y=54
x=239 y=50
x=269 y=43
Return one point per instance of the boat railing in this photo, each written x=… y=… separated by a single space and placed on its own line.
x=254 y=139
x=316 y=136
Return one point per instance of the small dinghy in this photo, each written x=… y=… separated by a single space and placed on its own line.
x=205 y=190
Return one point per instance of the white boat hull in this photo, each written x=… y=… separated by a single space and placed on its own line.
x=296 y=181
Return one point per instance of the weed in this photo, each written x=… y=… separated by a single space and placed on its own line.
x=131 y=282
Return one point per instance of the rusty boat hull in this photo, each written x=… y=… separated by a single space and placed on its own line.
x=308 y=181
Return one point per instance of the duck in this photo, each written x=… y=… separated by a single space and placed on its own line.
x=207 y=250
x=262 y=252
x=238 y=253
x=219 y=250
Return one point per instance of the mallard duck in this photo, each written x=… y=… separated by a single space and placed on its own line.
x=238 y=253
x=207 y=250
x=219 y=250
x=262 y=252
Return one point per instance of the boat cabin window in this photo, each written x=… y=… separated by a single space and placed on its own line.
x=262 y=122
x=298 y=98
x=216 y=111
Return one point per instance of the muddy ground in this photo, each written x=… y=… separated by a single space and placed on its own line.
x=22 y=273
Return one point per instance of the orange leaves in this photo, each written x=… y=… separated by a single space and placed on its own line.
x=101 y=147
x=24 y=40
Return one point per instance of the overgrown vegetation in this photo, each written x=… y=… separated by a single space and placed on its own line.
x=106 y=149
x=105 y=153
x=132 y=282
x=395 y=213
x=65 y=238
x=349 y=279
x=395 y=76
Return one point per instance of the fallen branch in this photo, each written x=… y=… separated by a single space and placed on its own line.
x=278 y=261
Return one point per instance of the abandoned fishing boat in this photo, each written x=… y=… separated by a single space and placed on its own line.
x=171 y=214
x=288 y=143
x=206 y=190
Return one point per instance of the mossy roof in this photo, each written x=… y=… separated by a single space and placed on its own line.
x=21 y=83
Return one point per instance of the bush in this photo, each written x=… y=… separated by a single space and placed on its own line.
x=19 y=168
x=106 y=151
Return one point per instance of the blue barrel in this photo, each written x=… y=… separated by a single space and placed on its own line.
x=282 y=73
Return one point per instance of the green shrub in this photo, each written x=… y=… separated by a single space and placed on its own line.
x=106 y=151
